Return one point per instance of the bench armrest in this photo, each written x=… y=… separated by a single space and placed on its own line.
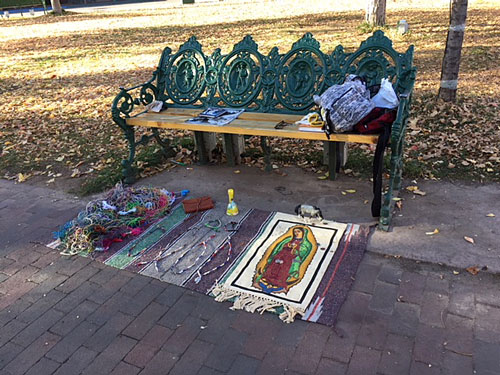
x=399 y=124
x=125 y=102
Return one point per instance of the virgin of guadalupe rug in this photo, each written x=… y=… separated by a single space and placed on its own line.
x=259 y=260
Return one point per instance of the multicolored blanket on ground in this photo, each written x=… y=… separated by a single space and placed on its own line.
x=260 y=260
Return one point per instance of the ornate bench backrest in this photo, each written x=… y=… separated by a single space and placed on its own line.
x=277 y=83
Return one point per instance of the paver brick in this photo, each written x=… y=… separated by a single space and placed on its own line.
x=411 y=288
x=76 y=297
x=147 y=319
x=429 y=346
x=341 y=342
x=170 y=295
x=224 y=354
x=161 y=363
x=157 y=336
x=32 y=354
x=366 y=275
x=216 y=327
x=37 y=328
x=276 y=360
x=44 y=366
x=105 y=362
x=422 y=368
x=330 y=367
x=437 y=283
x=71 y=342
x=8 y=352
x=141 y=354
x=183 y=336
x=10 y=330
x=77 y=362
x=354 y=308
x=41 y=306
x=456 y=364
x=70 y=266
x=459 y=334
x=364 y=361
x=244 y=366
x=462 y=300
x=125 y=369
x=405 y=319
x=135 y=284
x=9 y=313
x=108 y=332
x=373 y=331
x=384 y=297
x=487 y=323
x=107 y=291
x=46 y=284
x=180 y=311
x=433 y=309
x=142 y=299
x=109 y=309
x=390 y=274
x=486 y=357
x=309 y=350
x=396 y=356
x=68 y=322
x=77 y=279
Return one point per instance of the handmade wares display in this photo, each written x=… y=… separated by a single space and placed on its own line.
x=258 y=260
x=125 y=211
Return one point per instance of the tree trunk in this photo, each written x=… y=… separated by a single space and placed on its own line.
x=375 y=12
x=453 y=51
x=56 y=7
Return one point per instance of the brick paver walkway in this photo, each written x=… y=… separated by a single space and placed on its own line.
x=74 y=315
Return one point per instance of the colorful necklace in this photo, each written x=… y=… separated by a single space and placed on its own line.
x=229 y=253
x=204 y=244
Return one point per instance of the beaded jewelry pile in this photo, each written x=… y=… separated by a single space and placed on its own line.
x=124 y=211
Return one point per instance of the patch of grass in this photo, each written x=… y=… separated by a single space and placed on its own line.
x=106 y=179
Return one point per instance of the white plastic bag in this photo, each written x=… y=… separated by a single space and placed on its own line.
x=386 y=97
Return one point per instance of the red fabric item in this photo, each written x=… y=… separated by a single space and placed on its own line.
x=375 y=121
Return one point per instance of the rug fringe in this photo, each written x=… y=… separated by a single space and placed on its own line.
x=251 y=303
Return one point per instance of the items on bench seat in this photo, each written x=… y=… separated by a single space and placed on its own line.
x=271 y=88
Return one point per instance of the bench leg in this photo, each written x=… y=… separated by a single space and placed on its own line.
x=332 y=160
x=267 y=153
x=128 y=172
x=167 y=150
x=228 y=141
x=200 y=145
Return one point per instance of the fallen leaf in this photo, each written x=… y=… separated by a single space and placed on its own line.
x=469 y=239
x=21 y=177
x=351 y=191
x=436 y=231
x=412 y=188
x=237 y=171
x=322 y=177
x=51 y=180
x=419 y=192
x=344 y=193
x=366 y=201
x=399 y=205
x=456 y=272
x=490 y=215
x=472 y=270
x=396 y=199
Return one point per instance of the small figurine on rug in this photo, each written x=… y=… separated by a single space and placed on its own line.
x=308 y=212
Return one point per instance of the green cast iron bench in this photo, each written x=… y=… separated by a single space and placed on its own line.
x=270 y=88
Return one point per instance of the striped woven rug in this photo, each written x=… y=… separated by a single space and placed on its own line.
x=259 y=260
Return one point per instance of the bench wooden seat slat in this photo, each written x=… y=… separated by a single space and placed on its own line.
x=247 y=124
